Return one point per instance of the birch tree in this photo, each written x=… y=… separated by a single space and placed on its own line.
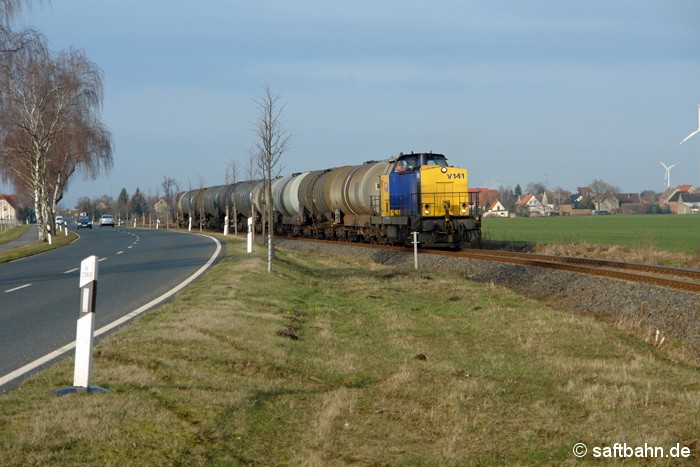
x=50 y=124
x=272 y=142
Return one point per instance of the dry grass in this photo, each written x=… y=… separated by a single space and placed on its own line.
x=388 y=367
x=622 y=253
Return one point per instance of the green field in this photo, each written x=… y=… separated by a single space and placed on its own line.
x=338 y=360
x=663 y=232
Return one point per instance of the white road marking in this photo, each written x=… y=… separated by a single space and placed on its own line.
x=17 y=288
x=120 y=252
x=102 y=259
x=70 y=270
x=58 y=352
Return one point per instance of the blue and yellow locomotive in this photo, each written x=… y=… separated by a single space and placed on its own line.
x=422 y=193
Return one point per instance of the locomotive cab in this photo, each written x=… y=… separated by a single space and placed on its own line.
x=423 y=193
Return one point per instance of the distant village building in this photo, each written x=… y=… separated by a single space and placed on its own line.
x=8 y=209
x=683 y=199
x=486 y=198
x=629 y=203
x=496 y=209
x=161 y=207
x=534 y=206
x=680 y=200
x=685 y=203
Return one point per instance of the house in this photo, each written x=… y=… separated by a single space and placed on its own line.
x=546 y=200
x=685 y=203
x=602 y=201
x=103 y=206
x=630 y=203
x=8 y=209
x=606 y=202
x=161 y=207
x=496 y=209
x=672 y=191
x=531 y=206
x=486 y=198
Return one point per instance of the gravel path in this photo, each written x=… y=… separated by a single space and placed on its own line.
x=641 y=308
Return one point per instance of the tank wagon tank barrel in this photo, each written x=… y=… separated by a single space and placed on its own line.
x=378 y=201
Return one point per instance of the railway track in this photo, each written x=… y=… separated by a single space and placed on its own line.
x=687 y=280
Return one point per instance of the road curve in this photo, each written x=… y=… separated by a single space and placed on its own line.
x=137 y=270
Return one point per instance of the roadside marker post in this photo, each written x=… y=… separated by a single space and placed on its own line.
x=415 y=249
x=226 y=225
x=85 y=331
x=250 y=234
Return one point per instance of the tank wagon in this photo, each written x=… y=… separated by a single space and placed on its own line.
x=377 y=202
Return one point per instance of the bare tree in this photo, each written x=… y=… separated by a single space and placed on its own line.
x=170 y=187
x=50 y=124
x=602 y=192
x=232 y=170
x=10 y=8
x=272 y=142
x=85 y=148
x=536 y=188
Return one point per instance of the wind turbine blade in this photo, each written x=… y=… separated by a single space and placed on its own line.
x=690 y=136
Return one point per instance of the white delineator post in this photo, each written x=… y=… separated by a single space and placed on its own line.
x=226 y=225
x=269 y=252
x=86 y=323
x=250 y=234
x=415 y=249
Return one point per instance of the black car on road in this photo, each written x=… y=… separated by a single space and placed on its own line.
x=84 y=221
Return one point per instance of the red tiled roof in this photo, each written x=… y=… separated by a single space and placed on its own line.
x=524 y=200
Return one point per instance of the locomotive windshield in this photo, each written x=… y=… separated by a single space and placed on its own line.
x=435 y=159
x=413 y=161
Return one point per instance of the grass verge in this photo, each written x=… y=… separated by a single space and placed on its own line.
x=13 y=233
x=337 y=360
x=36 y=248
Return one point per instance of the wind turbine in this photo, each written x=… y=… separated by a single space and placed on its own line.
x=696 y=131
x=667 y=177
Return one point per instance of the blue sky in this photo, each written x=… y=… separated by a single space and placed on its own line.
x=560 y=91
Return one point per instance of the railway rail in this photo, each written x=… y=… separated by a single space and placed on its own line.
x=687 y=280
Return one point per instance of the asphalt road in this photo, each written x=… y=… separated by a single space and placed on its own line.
x=39 y=296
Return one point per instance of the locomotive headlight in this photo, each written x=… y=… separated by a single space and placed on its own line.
x=464 y=208
x=427 y=209
x=443 y=170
